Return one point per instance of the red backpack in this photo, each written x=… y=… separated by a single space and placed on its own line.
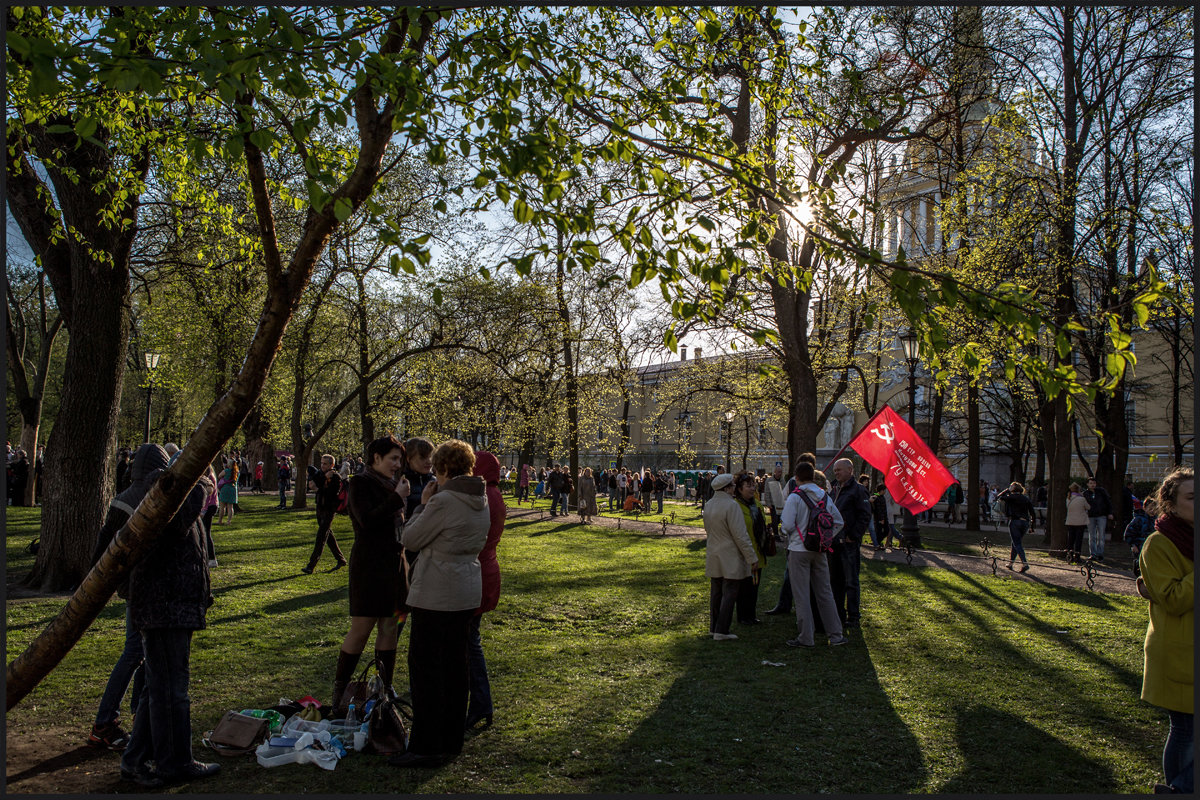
x=342 y=498
x=818 y=534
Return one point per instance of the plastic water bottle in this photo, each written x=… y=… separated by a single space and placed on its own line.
x=351 y=717
x=367 y=708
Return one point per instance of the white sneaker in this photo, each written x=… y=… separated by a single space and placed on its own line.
x=721 y=637
x=212 y=562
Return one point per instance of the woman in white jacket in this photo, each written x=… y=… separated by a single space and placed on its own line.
x=449 y=529
x=807 y=567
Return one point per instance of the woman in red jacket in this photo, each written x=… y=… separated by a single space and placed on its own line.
x=479 y=708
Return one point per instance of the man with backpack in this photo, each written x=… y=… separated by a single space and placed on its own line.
x=556 y=484
x=327 y=484
x=811 y=520
x=855 y=507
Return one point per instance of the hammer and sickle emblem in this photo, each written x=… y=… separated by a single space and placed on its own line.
x=885 y=432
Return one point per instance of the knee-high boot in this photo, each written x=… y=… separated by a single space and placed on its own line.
x=341 y=678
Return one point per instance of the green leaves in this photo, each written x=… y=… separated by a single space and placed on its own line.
x=709 y=28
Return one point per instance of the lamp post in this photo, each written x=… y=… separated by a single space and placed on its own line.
x=151 y=365
x=457 y=408
x=910 y=531
x=729 y=415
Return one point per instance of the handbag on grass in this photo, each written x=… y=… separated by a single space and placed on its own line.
x=387 y=732
x=237 y=734
x=361 y=689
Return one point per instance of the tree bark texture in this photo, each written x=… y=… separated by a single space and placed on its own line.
x=89 y=272
x=972 y=456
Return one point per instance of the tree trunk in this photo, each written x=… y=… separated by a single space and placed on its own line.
x=78 y=469
x=972 y=456
x=1176 y=395
x=30 y=422
x=364 y=364
x=935 y=419
x=572 y=398
x=624 y=441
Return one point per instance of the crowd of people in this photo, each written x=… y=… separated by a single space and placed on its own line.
x=744 y=518
x=427 y=521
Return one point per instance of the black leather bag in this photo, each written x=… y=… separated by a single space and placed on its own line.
x=387 y=730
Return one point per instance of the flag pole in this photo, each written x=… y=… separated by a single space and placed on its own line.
x=855 y=435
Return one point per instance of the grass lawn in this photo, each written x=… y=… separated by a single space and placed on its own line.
x=605 y=679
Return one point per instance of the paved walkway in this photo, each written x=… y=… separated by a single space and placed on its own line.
x=1107 y=578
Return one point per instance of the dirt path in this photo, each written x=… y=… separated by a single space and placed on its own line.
x=1110 y=579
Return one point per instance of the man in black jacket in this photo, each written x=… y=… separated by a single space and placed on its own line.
x=555 y=483
x=326 y=483
x=168 y=598
x=855 y=505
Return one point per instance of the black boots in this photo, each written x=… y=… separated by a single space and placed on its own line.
x=341 y=678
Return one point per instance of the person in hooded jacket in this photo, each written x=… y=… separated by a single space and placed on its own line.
x=479 y=704
x=523 y=483
x=106 y=730
x=168 y=598
x=375 y=503
x=449 y=528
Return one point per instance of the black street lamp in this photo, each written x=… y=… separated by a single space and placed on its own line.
x=151 y=365
x=910 y=531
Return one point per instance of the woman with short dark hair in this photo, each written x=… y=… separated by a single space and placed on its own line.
x=1020 y=517
x=449 y=528
x=375 y=503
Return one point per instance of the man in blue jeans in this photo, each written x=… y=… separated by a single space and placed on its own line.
x=1100 y=512
x=169 y=596
x=106 y=730
x=555 y=482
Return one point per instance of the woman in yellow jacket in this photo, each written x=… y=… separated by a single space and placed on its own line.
x=1167 y=576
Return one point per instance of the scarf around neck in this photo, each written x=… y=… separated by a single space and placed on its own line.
x=1179 y=532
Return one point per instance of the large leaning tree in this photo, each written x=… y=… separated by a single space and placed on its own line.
x=106 y=97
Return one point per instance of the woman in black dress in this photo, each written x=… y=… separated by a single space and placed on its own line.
x=375 y=501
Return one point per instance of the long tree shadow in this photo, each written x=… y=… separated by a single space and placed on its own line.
x=756 y=716
x=967 y=622
x=1002 y=749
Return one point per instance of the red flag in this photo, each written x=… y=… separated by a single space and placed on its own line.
x=913 y=475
